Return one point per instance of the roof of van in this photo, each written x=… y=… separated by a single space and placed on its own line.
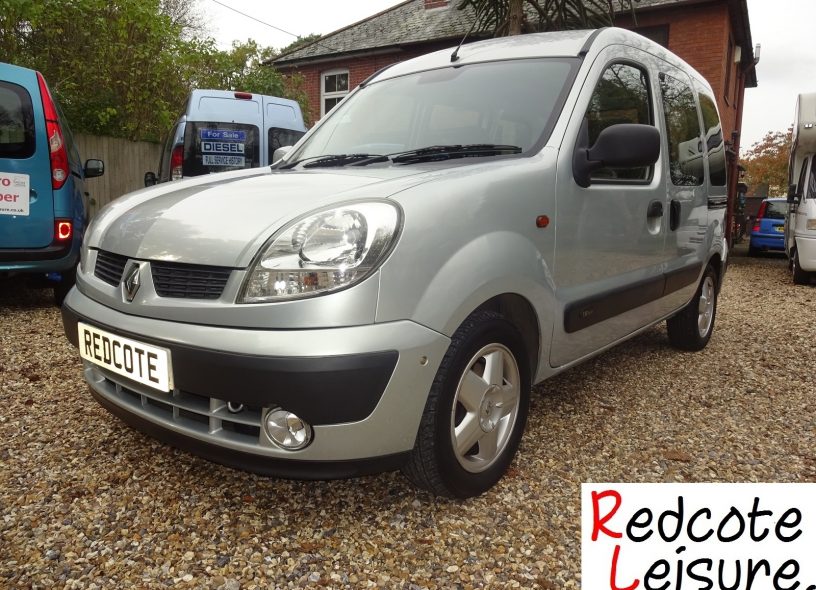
x=554 y=44
x=804 y=127
x=196 y=94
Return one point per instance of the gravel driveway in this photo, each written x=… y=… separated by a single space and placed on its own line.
x=86 y=502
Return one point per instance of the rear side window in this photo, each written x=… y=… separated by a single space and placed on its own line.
x=218 y=147
x=714 y=140
x=683 y=130
x=16 y=122
x=621 y=96
x=281 y=137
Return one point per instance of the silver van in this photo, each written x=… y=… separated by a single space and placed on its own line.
x=464 y=225
x=222 y=130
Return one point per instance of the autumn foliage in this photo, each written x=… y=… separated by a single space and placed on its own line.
x=767 y=162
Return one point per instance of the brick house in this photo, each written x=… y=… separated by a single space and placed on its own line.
x=714 y=36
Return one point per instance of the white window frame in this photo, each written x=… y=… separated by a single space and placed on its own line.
x=326 y=95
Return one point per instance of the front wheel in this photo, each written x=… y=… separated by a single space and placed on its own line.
x=476 y=410
x=691 y=328
x=800 y=277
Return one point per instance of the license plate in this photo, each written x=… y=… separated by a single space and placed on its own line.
x=143 y=363
x=780 y=229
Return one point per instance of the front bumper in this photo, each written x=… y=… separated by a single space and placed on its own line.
x=806 y=248
x=363 y=389
x=775 y=241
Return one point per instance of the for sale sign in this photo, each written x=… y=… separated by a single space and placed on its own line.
x=698 y=536
x=14 y=197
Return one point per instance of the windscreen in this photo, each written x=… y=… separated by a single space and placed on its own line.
x=507 y=102
x=776 y=210
x=16 y=122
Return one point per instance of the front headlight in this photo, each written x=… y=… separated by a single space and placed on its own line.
x=322 y=252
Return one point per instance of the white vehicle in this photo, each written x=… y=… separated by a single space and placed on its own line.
x=800 y=227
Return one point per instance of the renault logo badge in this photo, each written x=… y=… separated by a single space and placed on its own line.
x=131 y=281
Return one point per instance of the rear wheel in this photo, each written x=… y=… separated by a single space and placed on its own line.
x=476 y=410
x=752 y=251
x=691 y=328
x=800 y=277
x=63 y=286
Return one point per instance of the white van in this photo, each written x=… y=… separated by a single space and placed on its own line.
x=800 y=227
x=223 y=130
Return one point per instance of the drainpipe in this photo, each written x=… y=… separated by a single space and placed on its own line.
x=733 y=172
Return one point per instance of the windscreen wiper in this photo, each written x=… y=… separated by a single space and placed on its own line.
x=332 y=160
x=446 y=152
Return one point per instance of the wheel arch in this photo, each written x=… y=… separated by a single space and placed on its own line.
x=517 y=310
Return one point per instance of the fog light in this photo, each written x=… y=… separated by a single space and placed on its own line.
x=286 y=430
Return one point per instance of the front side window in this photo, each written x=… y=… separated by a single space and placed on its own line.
x=714 y=140
x=278 y=137
x=683 y=132
x=334 y=88
x=621 y=96
x=16 y=122
x=511 y=103
x=800 y=187
x=811 y=191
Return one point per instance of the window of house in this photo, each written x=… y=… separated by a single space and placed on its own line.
x=683 y=132
x=714 y=140
x=621 y=96
x=334 y=88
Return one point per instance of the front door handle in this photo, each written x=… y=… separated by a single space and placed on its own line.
x=674 y=215
x=655 y=209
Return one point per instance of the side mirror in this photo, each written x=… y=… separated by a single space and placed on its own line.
x=793 y=196
x=280 y=152
x=625 y=145
x=94 y=168
x=149 y=179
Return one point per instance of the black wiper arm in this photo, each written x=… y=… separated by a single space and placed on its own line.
x=331 y=160
x=446 y=152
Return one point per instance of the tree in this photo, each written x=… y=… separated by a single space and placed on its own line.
x=125 y=67
x=767 y=162
x=300 y=42
x=514 y=17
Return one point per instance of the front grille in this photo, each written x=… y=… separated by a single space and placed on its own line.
x=189 y=281
x=109 y=266
x=202 y=417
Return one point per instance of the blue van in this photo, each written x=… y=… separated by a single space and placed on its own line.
x=222 y=130
x=42 y=189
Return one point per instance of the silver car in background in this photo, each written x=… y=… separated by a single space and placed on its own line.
x=462 y=226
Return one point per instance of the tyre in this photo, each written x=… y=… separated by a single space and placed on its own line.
x=476 y=410
x=691 y=328
x=752 y=251
x=61 y=288
x=800 y=277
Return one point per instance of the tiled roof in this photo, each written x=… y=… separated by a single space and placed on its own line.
x=404 y=24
